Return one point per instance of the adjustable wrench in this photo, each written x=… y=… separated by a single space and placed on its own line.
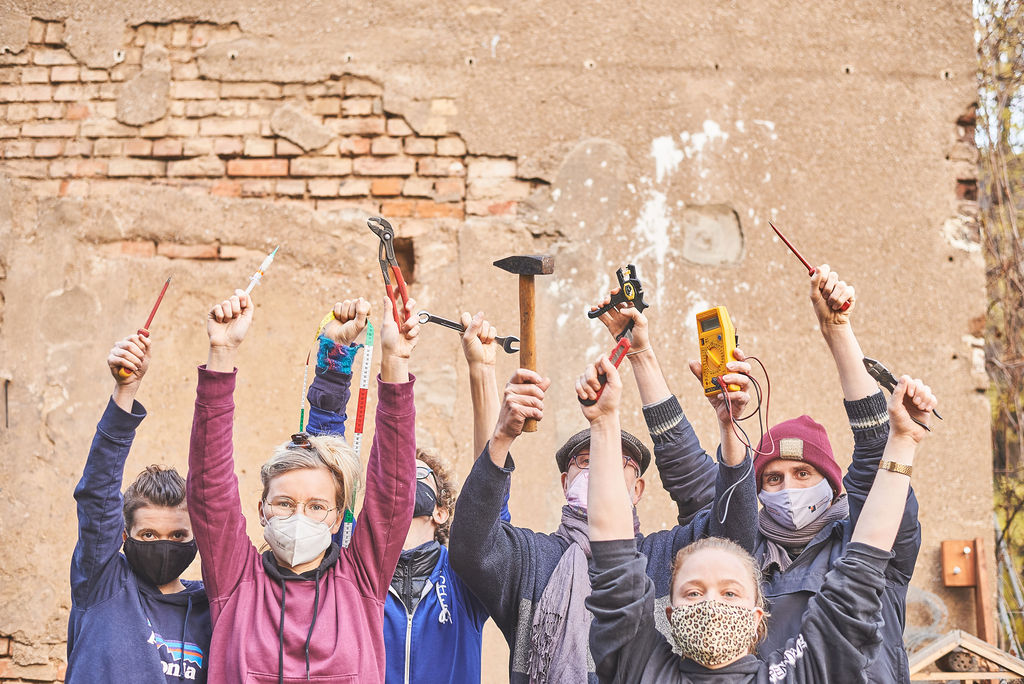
x=506 y=343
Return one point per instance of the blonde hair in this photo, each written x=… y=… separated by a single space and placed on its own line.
x=446 y=484
x=328 y=451
x=749 y=564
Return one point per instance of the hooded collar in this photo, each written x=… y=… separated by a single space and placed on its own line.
x=279 y=574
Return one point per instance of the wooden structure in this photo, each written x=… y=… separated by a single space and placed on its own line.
x=988 y=663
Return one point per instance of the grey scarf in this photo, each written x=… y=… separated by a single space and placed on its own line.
x=778 y=538
x=559 y=638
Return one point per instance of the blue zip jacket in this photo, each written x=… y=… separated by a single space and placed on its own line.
x=441 y=640
x=121 y=628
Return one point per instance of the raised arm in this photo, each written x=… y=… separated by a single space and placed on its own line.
x=391 y=469
x=480 y=349
x=483 y=549
x=687 y=471
x=98 y=494
x=329 y=392
x=214 y=505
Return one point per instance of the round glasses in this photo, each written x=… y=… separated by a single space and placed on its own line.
x=315 y=509
x=582 y=461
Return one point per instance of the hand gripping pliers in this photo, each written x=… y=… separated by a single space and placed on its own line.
x=630 y=291
x=389 y=264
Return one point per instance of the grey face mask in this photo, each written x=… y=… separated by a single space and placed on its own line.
x=296 y=539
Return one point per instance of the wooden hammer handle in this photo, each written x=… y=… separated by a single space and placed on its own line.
x=527 y=334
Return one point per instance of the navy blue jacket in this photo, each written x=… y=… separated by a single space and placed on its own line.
x=121 y=628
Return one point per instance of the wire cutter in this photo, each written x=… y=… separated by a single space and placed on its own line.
x=631 y=291
x=388 y=263
x=884 y=377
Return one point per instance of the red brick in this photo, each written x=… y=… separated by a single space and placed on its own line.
x=68 y=92
x=167 y=147
x=427 y=209
x=257 y=188
x=50 y=110
x=323 y=187
x=77 y=111
x=105 y=128
x=60 y=74
x=387 y=166
x=355 y=146
x=213 y=127
x=419 y=187
x=181 y=128
x=9 y=131
x=210 y=166
x=136 y=167
x=36 y=31
x=94 y=75
x=362 y=125
x=327 y=106
x=51 y=57
x=293 y=187
x=108 y=148
x=441 y=166
x=18 y=149
x=259 y=147
x=45 y=672
x=136 y=248
x=195 y=90
x=173 y=250
x=386 y=146
x=53 y=129
x=20 y=112
x=34 y=74
x=489 y=167
x=387 y=187
x=420 y=146
x=398 y=128
x=62 y=671
x=354 y=187
x=357 y=106
x=48 y=148
x=362 y=207
x=195 y=147
x=449 y=189
x=451 y=147
x=54 y=33
x=45 y=188
x=228 y=147
x=199 y=108
x=321 y=166
x=78 y=148
x=258 y=167
x=230 y=252
x=78 y=168
x=138 y=148
x=498 y=188
x=288 y=149
x=74 y=188
x=398 y=208
x=491 y=208
x=226 y=188
x=36 y=93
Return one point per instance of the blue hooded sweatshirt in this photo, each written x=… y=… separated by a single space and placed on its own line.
x=121 y=628
x=440 y=640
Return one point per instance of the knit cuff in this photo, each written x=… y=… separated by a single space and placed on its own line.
x=335 y=356
x=869 y=417
x=663 y=416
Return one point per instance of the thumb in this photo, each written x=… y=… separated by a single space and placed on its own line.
x=900 y=391
x=362 y=311
x=697 y=369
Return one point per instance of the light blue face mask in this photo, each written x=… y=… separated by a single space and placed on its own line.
x=797 y=508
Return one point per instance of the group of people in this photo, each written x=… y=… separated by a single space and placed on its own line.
x=810 y=586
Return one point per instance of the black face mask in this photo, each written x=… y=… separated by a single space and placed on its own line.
x=159 y=561
x=426 y=500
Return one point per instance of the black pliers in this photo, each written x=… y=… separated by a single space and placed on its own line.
x=884 y=377
x=389 y=264
x=630 y=291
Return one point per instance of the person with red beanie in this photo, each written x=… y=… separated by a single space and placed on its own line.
x=806 y=519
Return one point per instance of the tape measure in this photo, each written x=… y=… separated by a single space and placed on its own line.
x=349 y=521
x=718 y=339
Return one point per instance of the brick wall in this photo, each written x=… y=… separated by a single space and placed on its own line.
x=69 y=130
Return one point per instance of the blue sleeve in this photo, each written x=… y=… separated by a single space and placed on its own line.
x=869 y=420
x=99 y=502
x=329 y=394
x=687 y=472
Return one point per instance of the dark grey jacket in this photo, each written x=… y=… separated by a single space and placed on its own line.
x=838 y=636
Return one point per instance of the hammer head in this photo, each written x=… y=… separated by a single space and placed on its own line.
x=529 y=264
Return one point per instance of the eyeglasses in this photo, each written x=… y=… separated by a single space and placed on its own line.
x=315 y=509
x=422 y=472
x=582 y=461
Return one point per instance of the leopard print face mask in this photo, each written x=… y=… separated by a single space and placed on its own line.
x=713 y=633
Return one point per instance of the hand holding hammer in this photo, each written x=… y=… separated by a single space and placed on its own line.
x=526 y=267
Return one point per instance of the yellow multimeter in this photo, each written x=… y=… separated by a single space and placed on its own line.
x=718 y=339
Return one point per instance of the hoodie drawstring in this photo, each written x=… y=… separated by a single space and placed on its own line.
x=184 y=629
x=316 y=609
x=280 y=638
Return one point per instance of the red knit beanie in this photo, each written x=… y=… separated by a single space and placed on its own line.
x=800 y=439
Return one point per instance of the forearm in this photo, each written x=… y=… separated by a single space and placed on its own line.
x=221 y=359
x=124 y=396
x=394 y=368
x=483 y=389
x=733 y=450
x=882 y=513
x=609 y=506
x=849 y=360
x=649 y=378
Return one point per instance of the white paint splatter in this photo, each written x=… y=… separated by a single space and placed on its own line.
x=494 y=45
x=694 y=143
x=767 y=177
x=666 y=156
x=562 y=318
x=555 y=194
x=770 y=125
x=741 y=127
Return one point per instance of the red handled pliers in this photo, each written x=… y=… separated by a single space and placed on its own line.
x=386 y=256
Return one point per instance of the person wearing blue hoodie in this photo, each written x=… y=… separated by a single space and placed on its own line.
x=433 y=624
x=133 y=619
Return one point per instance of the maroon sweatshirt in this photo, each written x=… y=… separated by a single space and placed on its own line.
x=271 y=625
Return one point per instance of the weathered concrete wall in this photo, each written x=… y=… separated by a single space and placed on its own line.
x=146 y=139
